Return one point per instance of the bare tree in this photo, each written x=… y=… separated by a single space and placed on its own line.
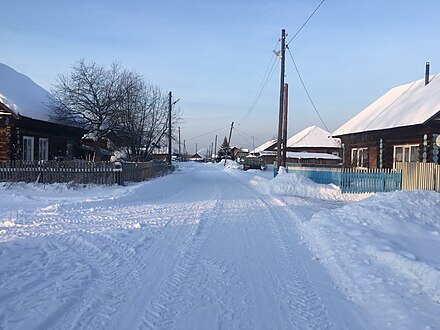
x=87 y=98
x=115 y=101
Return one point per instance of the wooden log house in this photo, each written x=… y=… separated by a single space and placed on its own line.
x=26 y=131
x=401 y=126
x=25 y=138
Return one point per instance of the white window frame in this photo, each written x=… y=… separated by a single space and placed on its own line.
x=404 y=146
x=28 y=152
x=45 y=143
x=359 y=160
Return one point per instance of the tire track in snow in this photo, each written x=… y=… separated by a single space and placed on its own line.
x=114 y=267
x=305 y=306
x=162 y=312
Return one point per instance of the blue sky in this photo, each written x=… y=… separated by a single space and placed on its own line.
x=214 y=54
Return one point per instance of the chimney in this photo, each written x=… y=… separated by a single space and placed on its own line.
x=427 y=74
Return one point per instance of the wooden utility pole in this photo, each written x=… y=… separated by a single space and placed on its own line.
x=180 y=155
x=280 y=114
x=170 y=105
x=184 y=149
x=212 y=148
x=229 y=142
x=215 y=147
x=286 y=96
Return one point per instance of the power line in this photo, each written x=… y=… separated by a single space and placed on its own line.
x=248 y=135
x=305 y=89
x=247 y=141
x=304 y=24
x=273 y=63
x=204 y=134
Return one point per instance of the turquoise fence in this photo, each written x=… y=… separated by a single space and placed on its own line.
x=319 y=175
x=353 y=180
x=370 y=181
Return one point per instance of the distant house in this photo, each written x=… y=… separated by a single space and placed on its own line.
x=401 y=126
x=312 y=145
x=316 y=140
x=302 y=158
x=197 y=158
x=267 y=146
x=26 y=131
x=240 y=153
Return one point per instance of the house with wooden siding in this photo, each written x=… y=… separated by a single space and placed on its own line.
x=26 y=130
x=401 y=126
x=316 y=140
x=312 y=145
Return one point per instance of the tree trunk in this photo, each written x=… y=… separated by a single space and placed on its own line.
x=97 y=151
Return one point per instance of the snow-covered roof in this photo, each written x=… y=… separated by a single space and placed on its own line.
x=23 y=96
x=201 y=153
x=405 y=105
x=290 y=154
x=264 y=146
x=313 y=136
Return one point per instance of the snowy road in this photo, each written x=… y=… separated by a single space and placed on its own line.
x=199 y=249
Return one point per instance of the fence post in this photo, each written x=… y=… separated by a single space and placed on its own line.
x=118 y=173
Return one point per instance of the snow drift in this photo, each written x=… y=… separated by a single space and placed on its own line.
x=292 y=184
x=383 y=251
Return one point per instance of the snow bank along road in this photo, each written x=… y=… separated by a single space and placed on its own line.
x=198 y=249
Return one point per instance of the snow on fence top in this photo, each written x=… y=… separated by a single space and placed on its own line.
x=23 y=96
x=405 y=105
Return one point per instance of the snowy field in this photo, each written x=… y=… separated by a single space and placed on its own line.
x=213 y=247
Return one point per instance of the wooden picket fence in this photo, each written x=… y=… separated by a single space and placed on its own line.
x=370 y=180
x=81 y=172
x=352 y=180
x=423 y=176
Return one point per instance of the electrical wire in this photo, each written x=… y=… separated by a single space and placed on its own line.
x=248 y=135
x=245 y=138
x=305 y=89
x=273 y=63
x=304 y=24
x=204 y=134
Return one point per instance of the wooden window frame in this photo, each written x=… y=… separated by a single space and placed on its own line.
x=403 y=152
x=46 y=149
x=32 y=139
x=359 y=161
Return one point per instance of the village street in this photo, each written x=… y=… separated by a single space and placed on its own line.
x=199 y=249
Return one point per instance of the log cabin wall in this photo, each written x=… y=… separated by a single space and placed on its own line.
x=409 y=135
x=64 y=141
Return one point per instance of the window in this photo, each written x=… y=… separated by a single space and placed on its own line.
x=43 y=149
x=28 y=148
x=406 y=153
x=69 y=150
x=359 y=157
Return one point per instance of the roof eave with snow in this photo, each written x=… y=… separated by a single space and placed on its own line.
x=402 y=106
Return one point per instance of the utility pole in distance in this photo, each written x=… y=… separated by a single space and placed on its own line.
x=229 y=142
x=215 y=147
x=286 y=96
x=170 y=105
x=280 y=114
x=180 y=155
x=212 y=148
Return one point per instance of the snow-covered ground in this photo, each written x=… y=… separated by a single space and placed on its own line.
x=211 y=246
